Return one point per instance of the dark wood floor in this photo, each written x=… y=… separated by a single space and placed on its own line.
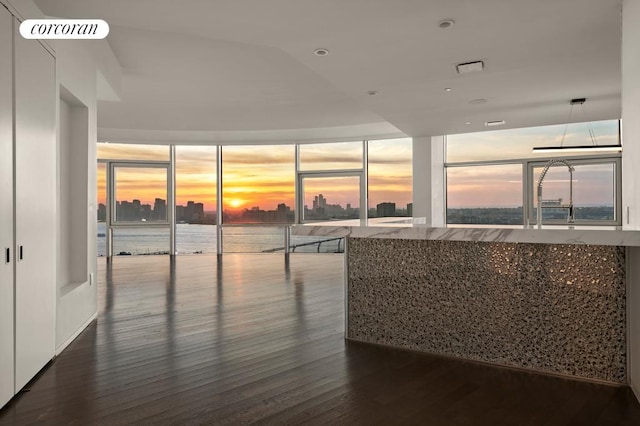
x=252 y=340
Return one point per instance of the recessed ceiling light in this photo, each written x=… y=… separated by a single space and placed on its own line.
x=447 y=23
x=468 y=67
x=478 y=101
x=372 y=92
x=467 y=122
x=494 y=123
x=448 y=89
x=321 y=52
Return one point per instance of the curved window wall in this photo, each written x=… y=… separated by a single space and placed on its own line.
x=243 y=198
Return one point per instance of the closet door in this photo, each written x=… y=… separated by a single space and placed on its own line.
x=6 y=209
x=35 y=201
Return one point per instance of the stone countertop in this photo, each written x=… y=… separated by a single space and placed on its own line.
x=404 y=230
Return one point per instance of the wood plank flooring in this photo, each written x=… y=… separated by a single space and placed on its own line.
x=252 y=338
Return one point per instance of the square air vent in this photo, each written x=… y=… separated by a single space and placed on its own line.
x=468 y=67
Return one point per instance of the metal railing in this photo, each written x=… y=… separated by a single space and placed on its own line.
x=292 y=247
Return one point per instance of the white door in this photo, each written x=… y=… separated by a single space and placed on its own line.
x=35 y=198
x=6 y=210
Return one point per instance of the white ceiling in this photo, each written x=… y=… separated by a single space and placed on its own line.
x=228 y=69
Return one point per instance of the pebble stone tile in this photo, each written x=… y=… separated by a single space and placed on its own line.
x=555 y=308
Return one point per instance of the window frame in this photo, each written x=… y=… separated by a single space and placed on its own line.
x=523 y=166
x=616 y=161
x=111 y=194
x=359 y=173
x=527 y=185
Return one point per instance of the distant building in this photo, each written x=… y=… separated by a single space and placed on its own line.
x=102 y=212
x=194 y=212
x=160 y=209
x=322 y=210
x=180 y=217
x=319 y=202
x=282 y=214
x=386 y=209
x=410 y=209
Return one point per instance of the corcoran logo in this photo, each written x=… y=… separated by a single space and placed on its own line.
x=64 y=29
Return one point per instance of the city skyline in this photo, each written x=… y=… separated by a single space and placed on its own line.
x=259 y=175
x=194 y=213
x=265 y=175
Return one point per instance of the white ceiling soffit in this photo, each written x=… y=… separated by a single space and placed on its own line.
x=382 y=130
x=228 y=66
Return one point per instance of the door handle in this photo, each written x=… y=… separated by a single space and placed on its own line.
x=19 y=253
x=7 y=255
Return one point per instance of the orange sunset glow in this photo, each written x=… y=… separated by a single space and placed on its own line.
x=260 y=176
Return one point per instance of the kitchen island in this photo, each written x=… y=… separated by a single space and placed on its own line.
x=551 y=300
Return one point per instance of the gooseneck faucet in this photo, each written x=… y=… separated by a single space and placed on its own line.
x=556 y=203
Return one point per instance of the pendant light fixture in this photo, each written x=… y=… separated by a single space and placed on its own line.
x=594 y=147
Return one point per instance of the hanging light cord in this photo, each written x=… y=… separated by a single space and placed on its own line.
x=592 y=134
x=566 y=126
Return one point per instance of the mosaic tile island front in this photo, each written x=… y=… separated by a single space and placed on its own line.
x=554 y=308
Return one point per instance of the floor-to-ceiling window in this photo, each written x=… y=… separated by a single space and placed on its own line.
x=264 y=189
x=390 y=177
x=101 y=202
x=258 y=187
x=331 y=180
x=196 y=178
x=136 y=213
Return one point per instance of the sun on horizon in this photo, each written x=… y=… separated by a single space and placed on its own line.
x=236 y=203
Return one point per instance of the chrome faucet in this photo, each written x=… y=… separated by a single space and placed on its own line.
x=556 y=203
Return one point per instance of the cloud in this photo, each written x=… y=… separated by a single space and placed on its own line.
x=518 y=143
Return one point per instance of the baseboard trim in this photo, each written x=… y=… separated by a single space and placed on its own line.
x=76 y=334
x=499 y=365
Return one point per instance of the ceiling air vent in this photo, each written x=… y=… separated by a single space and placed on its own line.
x=468 y=67
x=494 y=123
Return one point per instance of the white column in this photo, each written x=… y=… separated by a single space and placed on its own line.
x=171 y=201
x=631 y=175
x=631 y=114
x=297 y=213
x=219 y=235
x=428 y=181
x=364 y=185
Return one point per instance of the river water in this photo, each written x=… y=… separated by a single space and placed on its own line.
x=192 y=238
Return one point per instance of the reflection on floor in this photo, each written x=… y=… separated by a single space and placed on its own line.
x=255 y=338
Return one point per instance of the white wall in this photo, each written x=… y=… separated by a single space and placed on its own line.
x=72 y=193
x=630 y=173
x=428 y=181
x=80 y=65
x=64 y=237
x=77 y=77
x=631 y=113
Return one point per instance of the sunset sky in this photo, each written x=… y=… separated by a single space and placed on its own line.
x=264 y=176
x=517 y=143
x=501 y=185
